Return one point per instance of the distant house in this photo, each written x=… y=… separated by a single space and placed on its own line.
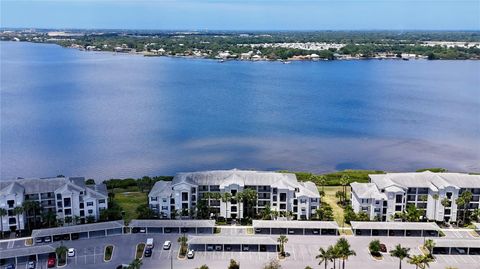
x=64 y=196
x=279 y=191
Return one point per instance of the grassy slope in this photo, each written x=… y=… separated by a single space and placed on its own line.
x=330 y=199
x=129 y=201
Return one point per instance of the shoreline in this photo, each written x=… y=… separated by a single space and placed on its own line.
x=222 y=60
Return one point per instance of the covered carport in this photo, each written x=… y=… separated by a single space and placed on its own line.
x=82 y=231
x=411 y=229
x=233 y=243
x=173 y=226
x=296 y=227
x=456 y=246
x=23 y=255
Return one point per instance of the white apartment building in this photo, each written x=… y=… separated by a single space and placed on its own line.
x=391 y=193
x=281 y=191
x=65 y=196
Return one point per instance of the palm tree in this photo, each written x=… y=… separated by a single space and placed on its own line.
x=76 y=219
x=344 y=250
x=467 y=197
x=135 y=264
x=226 y=196
x=435 y=198
x=3 y=213
x=334 y=254
x=49 y=218
x=324 y=257
x=400 y=253
x=429 y=245
x=426 y=262
x=68 y=220
x=249 y=198
x=415 y=260
x=267 y=212
x=18 y=210
x=344 y=180
x=61 y=252
x=322 y=180
x=282 y=240
x=183 y=244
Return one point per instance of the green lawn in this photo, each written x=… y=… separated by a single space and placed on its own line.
x=330 y=199
x=129 y=201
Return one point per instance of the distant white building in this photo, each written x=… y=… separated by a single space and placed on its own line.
x=391 y=193
x=281 y=191
x=64 y=196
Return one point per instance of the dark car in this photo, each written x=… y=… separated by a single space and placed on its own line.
x=148 y=252
x=383 y=248
x=10 y=266
x=75 y=236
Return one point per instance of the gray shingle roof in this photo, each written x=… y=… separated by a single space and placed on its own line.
x=172 y=223
x=78 y=228
x=367 y=191
x=42 y=185
x=426 y=179
x=161 y=189
x=13 y=187
x=294 y=224
x=26 y=251
x=231 y=240
x=457 y=243
x=367 y=225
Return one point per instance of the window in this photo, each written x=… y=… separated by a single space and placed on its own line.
x=82 y=205
x=398 y=208
x=11 y=203
x=89 y=203
x=283 y=206
x=154 y=199
x=59 y=204
x=59 y=196
x=398 y=198
x=101 y=201
x=184 y=196
x=274 y=198
x=164 y=207
x=164 y=200
x=90 y=212
x=233 y=209
x=68 y=211
x=67 y=202
x=283 y=197
x=82 y=213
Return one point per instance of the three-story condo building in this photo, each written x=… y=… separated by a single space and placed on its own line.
x=64 y=196
x=434 y=193
x=280 y=191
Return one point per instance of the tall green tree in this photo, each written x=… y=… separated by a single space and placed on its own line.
x=344 y=250
x=135 y=264
x=282 y=240
x=429 y=245
x=401 y=253
x=233 y=264
x=18 y=210
x=226 y=197
x=323 y=256
x=3 y=213
x=344 y=180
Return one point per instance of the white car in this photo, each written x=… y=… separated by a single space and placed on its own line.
x=71 y=252
x=167 y=245
x=191 y=254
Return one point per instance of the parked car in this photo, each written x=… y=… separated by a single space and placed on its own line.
x=147 y=252
x=122 y=266
x=47 y=239
x=38 y=240
x=167 y=245
x=258 y=230
x=383 y=248
x=228 y=248
x=291 y=232
x=75 y=236
x=31 y=265
x=191 y=254
x=209 y=247
x=316 y=231
x=245 y=248
x=460 y=250
x=149 y=243
x=71 y=252
x=142 y=230
x=10 y=266
x=218 y=247
x=51 y=262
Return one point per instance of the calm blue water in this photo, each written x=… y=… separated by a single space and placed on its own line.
x=101 y=115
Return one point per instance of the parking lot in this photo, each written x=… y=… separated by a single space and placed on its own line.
x=301 y=252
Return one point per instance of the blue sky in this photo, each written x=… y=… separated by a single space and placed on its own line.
x=244 y=15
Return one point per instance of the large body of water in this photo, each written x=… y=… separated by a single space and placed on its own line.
x=101 y=115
